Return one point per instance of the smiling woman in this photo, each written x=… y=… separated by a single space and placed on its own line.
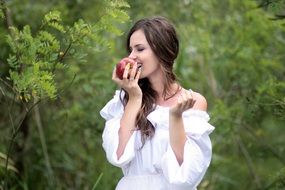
x=156 y=130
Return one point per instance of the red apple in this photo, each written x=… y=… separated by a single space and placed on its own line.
x=120 y=67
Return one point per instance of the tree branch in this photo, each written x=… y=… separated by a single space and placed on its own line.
x=248 y=161
x=43 y=142
x=14 y=135
x=61 y=56
x=266 y=145
x=7 y=14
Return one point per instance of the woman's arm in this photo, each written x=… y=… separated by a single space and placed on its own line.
x=128 y=121
x=177 y=135
x=127 y=124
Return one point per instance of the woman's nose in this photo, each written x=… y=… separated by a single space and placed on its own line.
x=132 y=55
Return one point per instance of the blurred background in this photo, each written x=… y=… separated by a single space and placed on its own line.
x=56 y=61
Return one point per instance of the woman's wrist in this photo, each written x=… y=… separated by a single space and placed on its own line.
x=135 y=99
x=175 y=114
x=134 y=103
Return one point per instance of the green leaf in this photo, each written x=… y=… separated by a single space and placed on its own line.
x=11 y=164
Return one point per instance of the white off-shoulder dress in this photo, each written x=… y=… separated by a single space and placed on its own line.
x=154 y=167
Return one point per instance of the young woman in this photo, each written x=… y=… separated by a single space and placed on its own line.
x=156 y=131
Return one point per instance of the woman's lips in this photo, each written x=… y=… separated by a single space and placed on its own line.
x=139 y=65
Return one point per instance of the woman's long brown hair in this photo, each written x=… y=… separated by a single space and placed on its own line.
x=162 y=38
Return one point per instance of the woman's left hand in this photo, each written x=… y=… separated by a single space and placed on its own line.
x=184 y=102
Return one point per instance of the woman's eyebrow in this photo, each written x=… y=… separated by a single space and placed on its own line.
x=136 y=45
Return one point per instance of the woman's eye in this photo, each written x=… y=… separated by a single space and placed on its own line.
x=140 y=49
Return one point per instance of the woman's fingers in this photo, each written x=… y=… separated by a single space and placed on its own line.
x=138 y=73
x=189 y=99
x=126 y=71
x=133 y=71
x=192 y=100
x=186 y=100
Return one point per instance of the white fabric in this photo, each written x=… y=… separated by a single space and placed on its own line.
x=155 y=166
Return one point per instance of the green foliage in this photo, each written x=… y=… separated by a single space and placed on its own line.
x=275 y=7
x=48 y=60
x=1 y=12
x=10 y=163
x=2 y=9
x=34 y=59
x=116 y=15
x=30 y=61
x=53 y=19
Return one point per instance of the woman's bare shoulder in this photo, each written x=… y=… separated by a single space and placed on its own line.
x=201 y=102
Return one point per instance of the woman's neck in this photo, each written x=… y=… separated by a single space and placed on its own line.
x=157 y=81
x=158 y=84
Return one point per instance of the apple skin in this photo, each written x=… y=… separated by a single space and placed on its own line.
x=120 y=67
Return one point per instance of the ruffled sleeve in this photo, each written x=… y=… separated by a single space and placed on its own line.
x=197 y=152
x=112 y=112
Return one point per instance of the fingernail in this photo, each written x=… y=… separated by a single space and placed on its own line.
x=128 y=66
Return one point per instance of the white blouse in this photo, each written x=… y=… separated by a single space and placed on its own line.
x=154 y=166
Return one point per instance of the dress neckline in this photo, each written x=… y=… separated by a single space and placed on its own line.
x=191 y=110
x=163 y=107
x=168 y=107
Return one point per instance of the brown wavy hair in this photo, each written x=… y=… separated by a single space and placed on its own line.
x=163 y=40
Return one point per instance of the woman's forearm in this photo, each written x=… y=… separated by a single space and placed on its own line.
x=177 y=136
x=127 y=124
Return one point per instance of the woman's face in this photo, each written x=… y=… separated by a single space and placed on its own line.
x=142 y=53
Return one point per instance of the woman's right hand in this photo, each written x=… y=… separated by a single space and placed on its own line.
x=130 y=80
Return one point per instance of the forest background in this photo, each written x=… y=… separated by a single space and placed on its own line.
x=56 y=61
